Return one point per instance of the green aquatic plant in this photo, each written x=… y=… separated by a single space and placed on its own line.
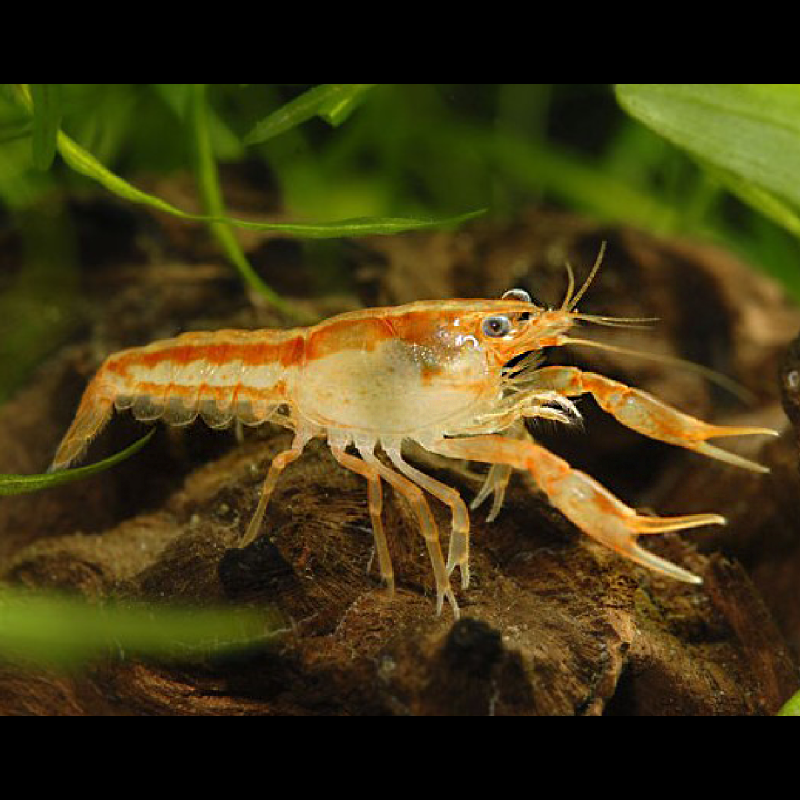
x=54 y=631
x=347 y=157
x=792 y=708
x=12 y=485
x=333 y=102
x=744 y=136
x=43 y=103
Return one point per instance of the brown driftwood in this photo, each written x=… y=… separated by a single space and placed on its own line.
x=554 y=624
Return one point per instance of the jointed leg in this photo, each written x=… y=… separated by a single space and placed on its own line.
x=459 y=539
x=430 y=532
x=580 y=498
x=647 y=415
x=498 y=479
x=375 y=509
x=496 y=484
x=277 y=469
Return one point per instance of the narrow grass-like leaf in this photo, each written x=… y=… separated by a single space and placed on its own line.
x=748 y=134
x=344 y=102
x=86 y=164
x=55 y=631
x=333 y=102
x=83 y=162
x=385 y=226
x=46 y=123
x=11 y=485
x=208 y=179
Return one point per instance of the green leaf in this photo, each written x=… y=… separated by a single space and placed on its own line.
x=208 y=180
x=11 y=485
x=334 y=102
x=746 y=134
x=46 y=123
x=343 y=101
x=86 y=164
x=792 y=708
x=385 y=226
x=55 y=631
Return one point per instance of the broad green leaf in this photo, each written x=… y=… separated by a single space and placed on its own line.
x=747 y=134
x=21 y=484
x=333 y=102
x=46 y=123
x=55 y=631
x=792 y=708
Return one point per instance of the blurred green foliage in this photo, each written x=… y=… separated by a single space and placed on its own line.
x=383 y=151
x=792 y=708
x=52 y=631
x=345 y=151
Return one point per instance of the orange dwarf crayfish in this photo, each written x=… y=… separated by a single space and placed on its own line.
x=457 y=377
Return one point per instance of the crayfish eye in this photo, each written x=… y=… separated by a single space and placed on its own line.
x=497 y=327
x=518 y=294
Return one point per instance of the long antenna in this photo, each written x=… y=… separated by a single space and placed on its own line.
x=633 y=323
x=722 y=381
x=595 y=271
x=571 y=289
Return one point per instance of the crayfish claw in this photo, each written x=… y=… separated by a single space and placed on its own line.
x=718 y=454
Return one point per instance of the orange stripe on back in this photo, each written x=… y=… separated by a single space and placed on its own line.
x=361 y=335
x=229 y=347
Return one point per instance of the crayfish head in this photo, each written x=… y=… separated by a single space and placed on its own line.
x=517 y=325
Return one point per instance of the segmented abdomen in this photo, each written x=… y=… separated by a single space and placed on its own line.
x=222 y=376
